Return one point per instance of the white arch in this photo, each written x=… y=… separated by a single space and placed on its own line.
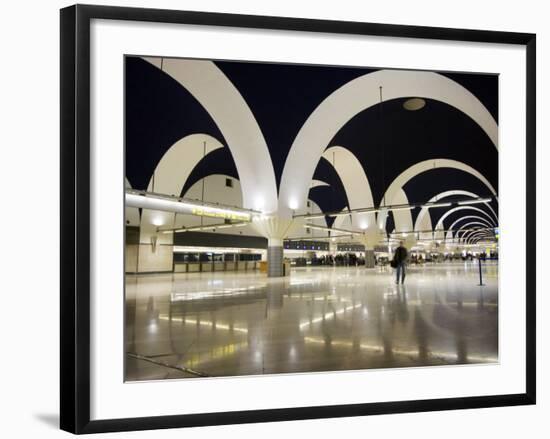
x=170 y=176
x=339 y=220
x=446 y=214
x=442 y=195
x=402 y=218
x=357 y=95
x=355 y=182
x=322 y=221
x=424 y=223
x=178 y=162
x=219 y=97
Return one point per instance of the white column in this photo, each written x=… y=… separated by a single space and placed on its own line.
x=275 y=229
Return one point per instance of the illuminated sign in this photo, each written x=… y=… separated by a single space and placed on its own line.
x=212 y=213
x=306 y=245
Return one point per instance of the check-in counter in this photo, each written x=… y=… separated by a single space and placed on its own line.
x=286 y=268
x=206 y=266
x=180 y=268
x=196 y=267
x=193 y=267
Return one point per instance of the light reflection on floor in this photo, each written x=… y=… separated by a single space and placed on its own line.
x=318 y=319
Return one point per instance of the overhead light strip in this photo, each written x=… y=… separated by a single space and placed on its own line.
x=394 y=208
x=476 y=201
x=329 y=229
x=430 y=205
x=204 y=227
x=167 y=203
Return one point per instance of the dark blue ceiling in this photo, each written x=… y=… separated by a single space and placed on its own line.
x=282 y=96
x=218 y=161
x=158 y=112
x=385 y=138
x=330 y=198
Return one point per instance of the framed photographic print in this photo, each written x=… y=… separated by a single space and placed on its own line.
x=272 y=218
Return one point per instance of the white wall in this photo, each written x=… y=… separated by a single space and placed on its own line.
x=29 y=139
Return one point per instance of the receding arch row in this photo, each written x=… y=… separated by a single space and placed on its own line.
x=178 y=162
x=441 y=196
x=463 y=229
x=352 y=175
x=477 y=218
x=424 y=166
x=476 y=237
x=439 y=224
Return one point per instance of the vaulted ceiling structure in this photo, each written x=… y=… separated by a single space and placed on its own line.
x=386 y=139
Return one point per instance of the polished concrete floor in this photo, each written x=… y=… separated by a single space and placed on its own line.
x=318 y=319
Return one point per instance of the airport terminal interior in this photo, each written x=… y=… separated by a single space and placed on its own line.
x=265 y=202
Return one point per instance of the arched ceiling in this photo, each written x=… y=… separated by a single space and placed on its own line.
x=386 y=139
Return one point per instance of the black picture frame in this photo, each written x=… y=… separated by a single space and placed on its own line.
x=75 y=217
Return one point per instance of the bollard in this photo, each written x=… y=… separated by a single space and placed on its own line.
x=480 y=277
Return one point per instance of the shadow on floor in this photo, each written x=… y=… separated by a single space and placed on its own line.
x=49 y=419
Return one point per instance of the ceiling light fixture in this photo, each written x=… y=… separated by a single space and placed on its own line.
x=204 y=227
x=475 y=201
x=166 y=203
x=429 y=205
x=414 y=104
x=395 y=209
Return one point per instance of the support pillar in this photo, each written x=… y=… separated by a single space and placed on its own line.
x=275 y=258
x=369 y=258
x=275 y=229
x=155 y=251
x=148 y=258
x=370 y=238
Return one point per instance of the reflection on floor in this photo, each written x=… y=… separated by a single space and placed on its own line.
x=318 y=319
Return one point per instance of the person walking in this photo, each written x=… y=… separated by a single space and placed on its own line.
x=400 y=258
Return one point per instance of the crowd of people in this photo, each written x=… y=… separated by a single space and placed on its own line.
x=400 y=259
